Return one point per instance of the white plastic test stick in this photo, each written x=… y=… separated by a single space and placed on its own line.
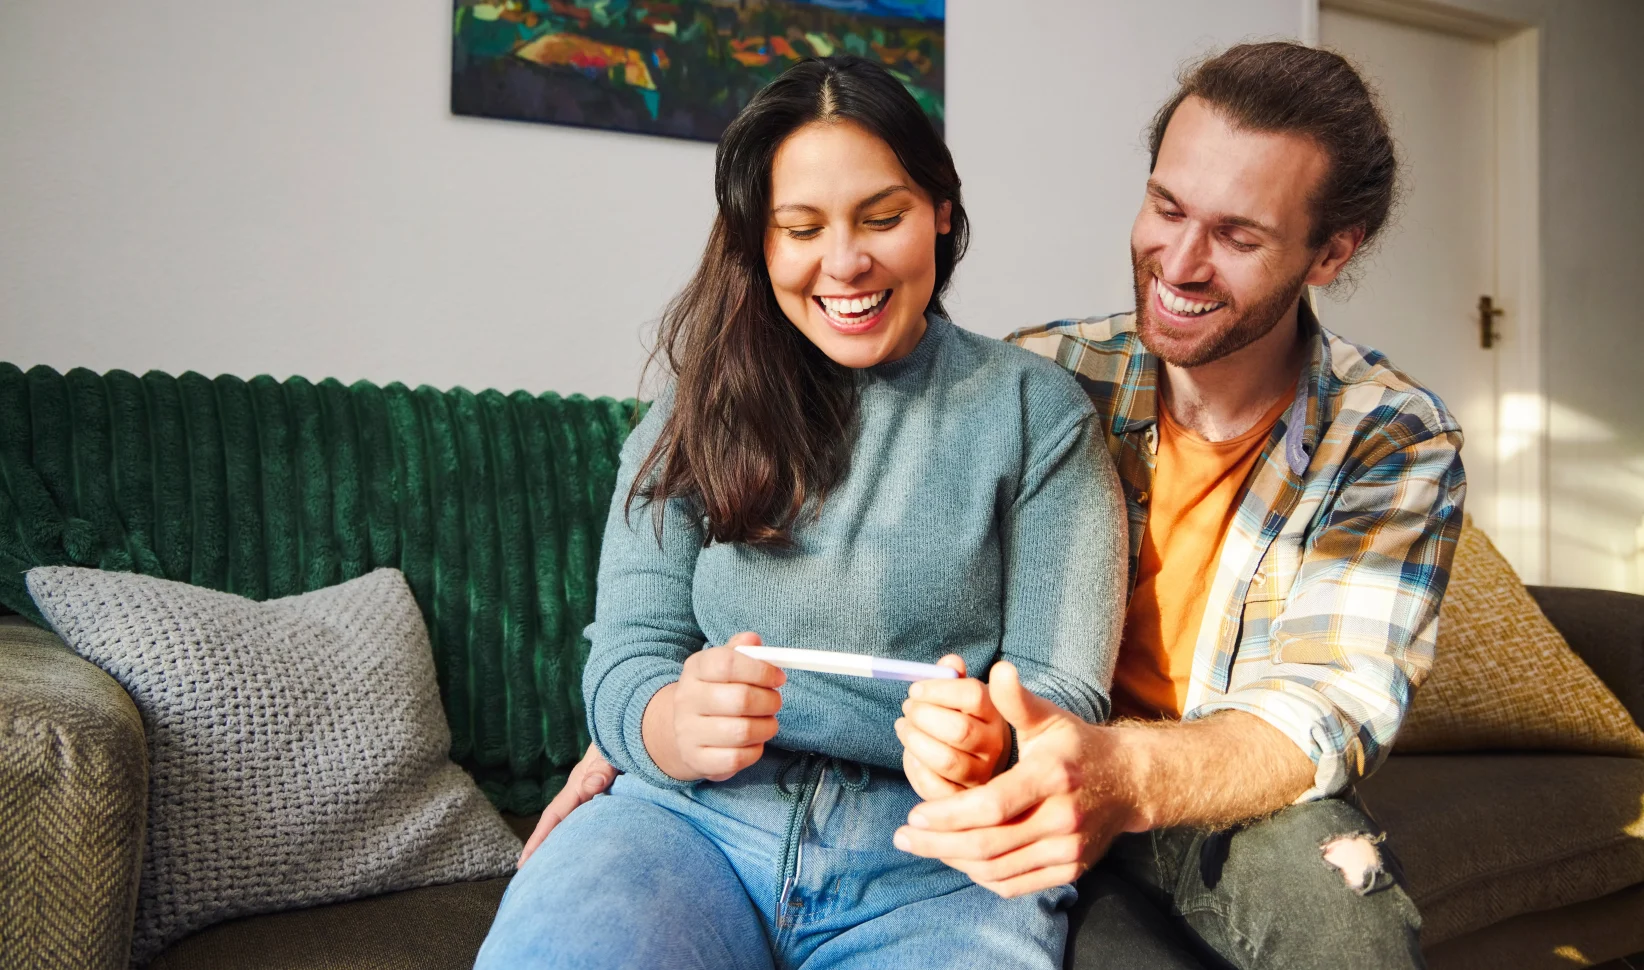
x=850 y=664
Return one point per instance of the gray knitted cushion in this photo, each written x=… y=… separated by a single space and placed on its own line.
x=298 y=750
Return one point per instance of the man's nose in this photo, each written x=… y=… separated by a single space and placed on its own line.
x=845 y=258
x=1186 y=257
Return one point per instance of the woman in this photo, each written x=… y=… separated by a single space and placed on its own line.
x=834 y=466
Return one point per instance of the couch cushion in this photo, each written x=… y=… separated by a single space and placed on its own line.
x=1486 y=837
x=297 y=749
x=1594 y=932
x=434 y=928
x=1503 y=677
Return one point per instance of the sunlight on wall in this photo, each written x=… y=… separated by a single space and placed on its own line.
x=1594 y=527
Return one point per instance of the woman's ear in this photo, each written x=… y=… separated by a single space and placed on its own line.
x=944 y=218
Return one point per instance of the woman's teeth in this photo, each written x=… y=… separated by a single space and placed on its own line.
x=846 y=309
x=1176 y=304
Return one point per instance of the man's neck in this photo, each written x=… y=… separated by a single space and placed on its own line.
x=1225 y=398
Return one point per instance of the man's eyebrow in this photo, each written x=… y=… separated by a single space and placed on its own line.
x=1244 y=221
x=866 y=203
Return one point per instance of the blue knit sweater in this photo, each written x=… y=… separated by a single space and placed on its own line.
x=981 y=516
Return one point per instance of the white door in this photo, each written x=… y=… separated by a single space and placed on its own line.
x=1417 y=299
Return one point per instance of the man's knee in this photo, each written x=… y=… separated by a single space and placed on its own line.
x=1314 y=882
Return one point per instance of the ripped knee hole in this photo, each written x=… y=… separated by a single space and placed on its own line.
x=1356 y=858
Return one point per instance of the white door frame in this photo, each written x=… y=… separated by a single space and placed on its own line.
x=1521 y=405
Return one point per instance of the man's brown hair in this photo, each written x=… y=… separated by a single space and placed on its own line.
x=1286 y=88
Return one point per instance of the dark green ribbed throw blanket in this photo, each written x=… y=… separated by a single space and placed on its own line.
x=492 y=505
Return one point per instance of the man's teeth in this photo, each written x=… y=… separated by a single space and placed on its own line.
x=840 y=307
x=1176 y=304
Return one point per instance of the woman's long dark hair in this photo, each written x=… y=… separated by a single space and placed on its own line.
x=762 y=421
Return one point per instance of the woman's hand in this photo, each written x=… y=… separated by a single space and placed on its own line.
x=952 y=736
x=714 y=721
x=592 y=775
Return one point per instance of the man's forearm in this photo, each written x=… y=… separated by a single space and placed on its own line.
x=1211 y=773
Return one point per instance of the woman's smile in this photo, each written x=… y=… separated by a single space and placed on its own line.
x=855 y=313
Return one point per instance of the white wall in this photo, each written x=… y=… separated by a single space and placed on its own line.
x=247 y=188
x=250 y=188
x=1592 y=200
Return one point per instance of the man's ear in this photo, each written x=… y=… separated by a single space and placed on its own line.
x=1333 y=257
x=944 y=218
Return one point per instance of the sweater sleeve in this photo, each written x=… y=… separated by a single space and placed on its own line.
x=644 y=623
x=1064 y=540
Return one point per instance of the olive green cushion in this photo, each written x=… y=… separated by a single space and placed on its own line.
x=1486 y=837
x=73 y=796
x=492 y=505
x=435 y=928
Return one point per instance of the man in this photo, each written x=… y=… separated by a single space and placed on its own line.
x=1294 y=504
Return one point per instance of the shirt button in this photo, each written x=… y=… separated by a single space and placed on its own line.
x=1141 y=498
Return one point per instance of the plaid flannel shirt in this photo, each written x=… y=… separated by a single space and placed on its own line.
x=1323 y=607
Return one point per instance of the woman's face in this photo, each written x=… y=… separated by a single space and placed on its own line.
x=851 y=244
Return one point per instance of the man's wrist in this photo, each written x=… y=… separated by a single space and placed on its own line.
x=1133 y=750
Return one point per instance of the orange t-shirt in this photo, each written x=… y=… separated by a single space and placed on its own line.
x=1195 y=483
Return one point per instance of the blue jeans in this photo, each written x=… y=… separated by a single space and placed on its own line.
x=788 y=864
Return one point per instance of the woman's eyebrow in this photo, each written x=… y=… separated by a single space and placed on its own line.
x=866 y=203
x=881 y=196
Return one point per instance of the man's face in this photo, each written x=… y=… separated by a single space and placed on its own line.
x=1220 y=248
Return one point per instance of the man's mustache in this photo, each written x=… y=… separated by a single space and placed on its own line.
x=1147 y=268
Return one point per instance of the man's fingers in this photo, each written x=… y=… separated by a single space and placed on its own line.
x=977 y=845
x=1062 y=850
x=562 y=805
x=1003 y=798
x=1027 y=712
x=1035 y=881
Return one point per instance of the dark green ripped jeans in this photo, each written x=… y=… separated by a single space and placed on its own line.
x=1260 y=895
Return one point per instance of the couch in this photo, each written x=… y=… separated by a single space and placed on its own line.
x=1516 y=859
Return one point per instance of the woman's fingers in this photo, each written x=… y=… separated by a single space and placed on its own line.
x=733 y=732
x=720 y=764
x=951 y=727
x=962 y=694
x=960 y=767
x=733 y=700
x=926 y=784
x=724 y=665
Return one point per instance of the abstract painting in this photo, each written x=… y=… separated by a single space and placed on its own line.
x=682 y=69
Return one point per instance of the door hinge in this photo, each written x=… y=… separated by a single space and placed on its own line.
x=1487 y=313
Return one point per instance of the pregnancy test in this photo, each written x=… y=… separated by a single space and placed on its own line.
x=851 y=664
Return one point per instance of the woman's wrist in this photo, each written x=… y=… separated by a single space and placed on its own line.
x=661 y=742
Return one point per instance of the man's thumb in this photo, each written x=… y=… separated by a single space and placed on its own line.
x=1027 y=712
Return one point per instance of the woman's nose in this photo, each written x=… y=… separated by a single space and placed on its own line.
x=845 y=258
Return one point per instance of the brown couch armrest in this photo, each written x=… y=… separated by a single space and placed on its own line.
x=73 y=802
x=1607 y=630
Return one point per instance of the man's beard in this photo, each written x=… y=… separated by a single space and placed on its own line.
x=1244 y=326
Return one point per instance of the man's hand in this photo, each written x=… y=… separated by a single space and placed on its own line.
x=592 y=775
x=1043 y=822
x=714 y=721
x=953 y=737
x=1077 y=786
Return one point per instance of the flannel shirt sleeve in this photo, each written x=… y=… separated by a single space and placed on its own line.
x=1356 y=634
